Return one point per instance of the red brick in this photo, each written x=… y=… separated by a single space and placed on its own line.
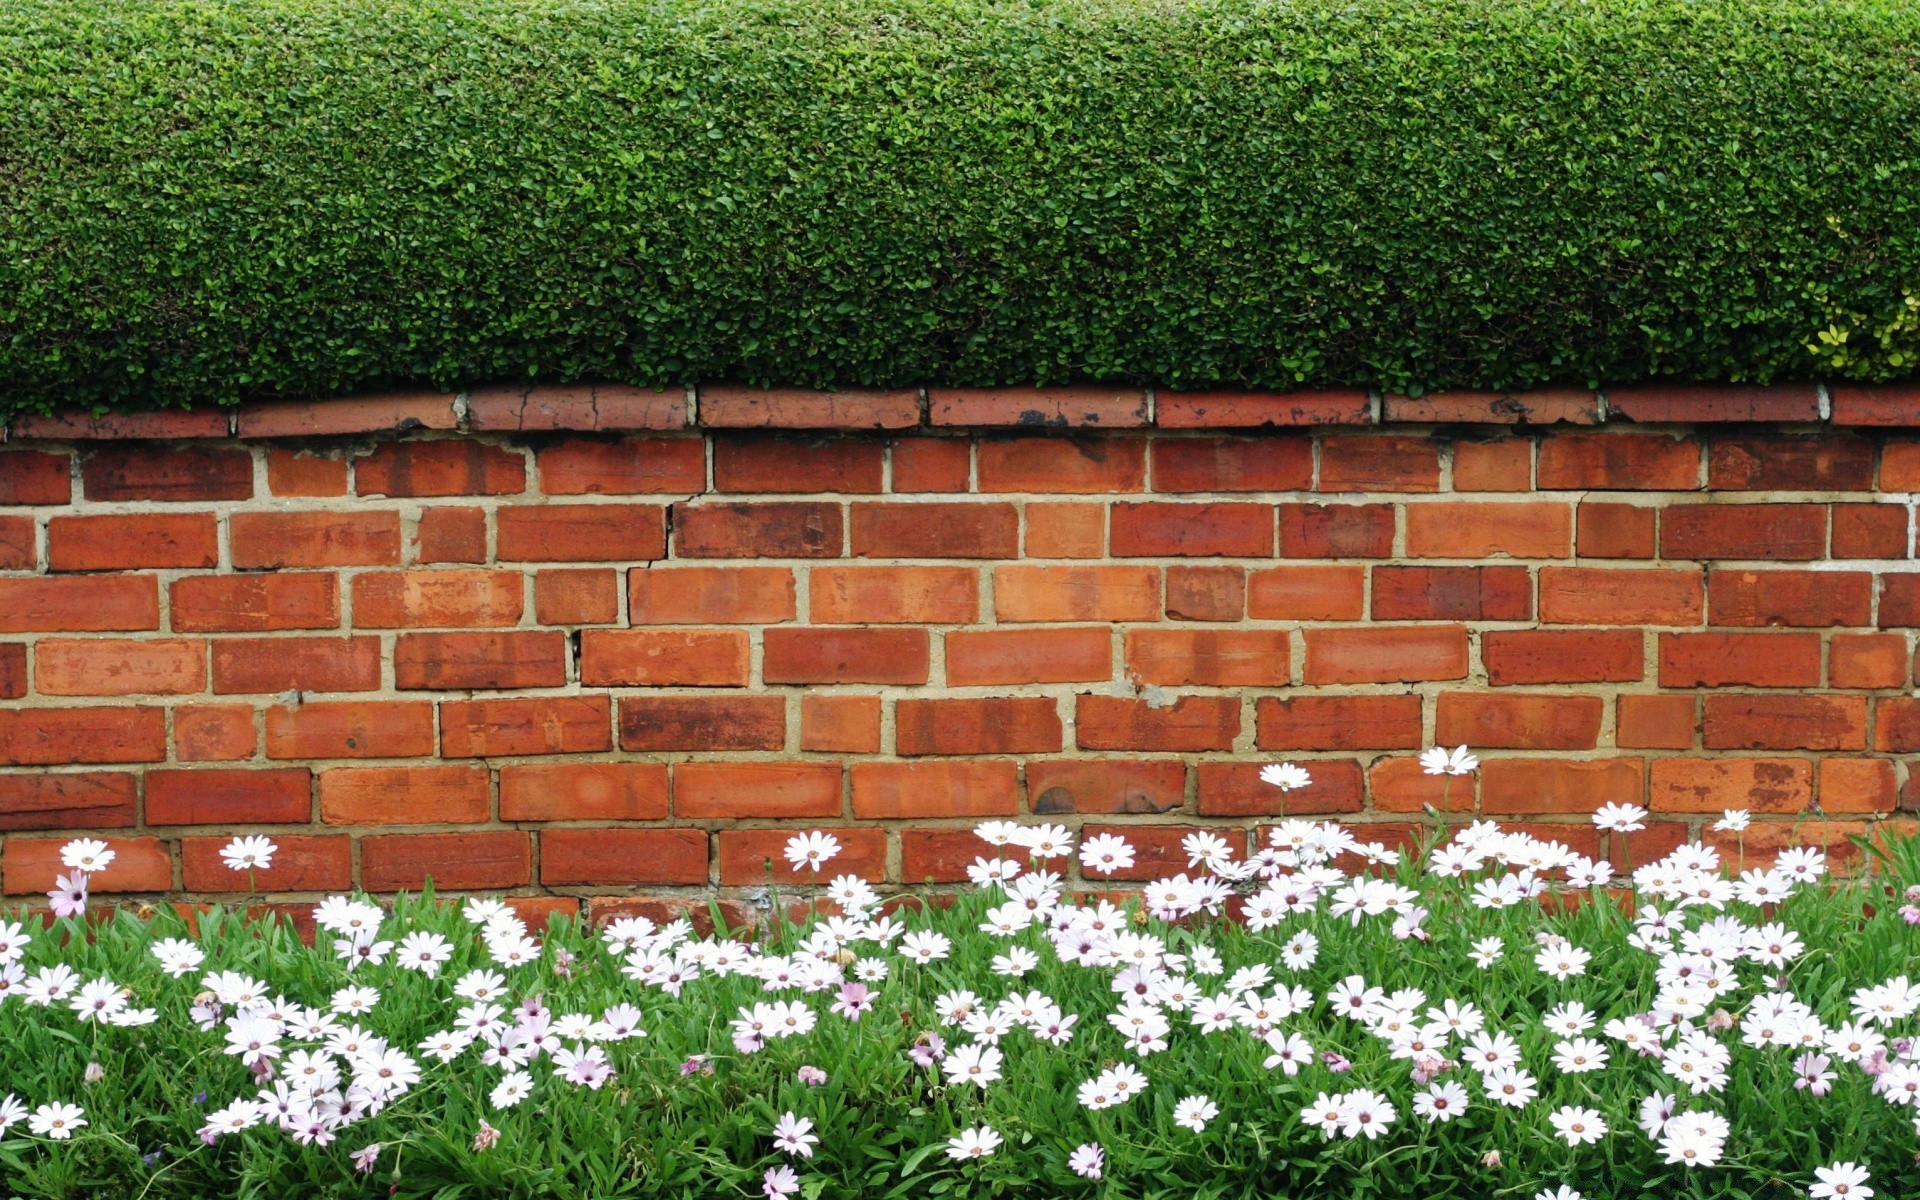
x=453 y=861
x=1206 y=593
x=664 y=658
x=1867 y=660
x=1043 y=407
x=581 y=532
x=119 y=543
x=1645 y=462
x=1546 y=406
x=314 y=539
x=1066 y=530
x=745 y=856
x=79 y=424
x=1606 y=530
x=1338 y=723
x=1011 y=656
x=255 y=603
x=1400 y=785
x=1786 y=723
x=1656 y=723
x=840 y=724
x=588 y=406
x=351 y=729
x=414 y=795
x=703 y=723
x=1502 y=466
x=221 y=796
x=410 y=599
x=1209 y=657
x=935 y=530
x=1857 y=785
x=41 y=737
x=938 y=855
x=985 y=726
x=1796 y=598
x=1246 y=409
x=1882 y=404
x=1083 y=785
x=790 y=529
x=756 y=789
x=67 y=800
x=927 y=464
x=1516 y=722
x=1524 y=656
x=387 y=412
x=816 y=655
x=13 y=670
x=1870 y=531
x=896 y=790
x=1307 y=594
x=1819 y=463
x=136 y=472
x=611 y=857
x=1739 y=660
x=1075 y=466
x=32 y=477
x=1235 y=789
x=1530 y=529
x=1452 y=593
x=465 y=661
x=1529 y=786
x=1900 y=466
x=795 y=466
x=1336 y=530
x=1158 y=848
x=525 y=725
x=1379 y=464
x=724 y=406
x=1899 y=601
x=635 y=466
x=1713 y=785
x=300 y=864
x=710 y=595
x=583 y=791
x=19 y=544
x=1744 y=531
x=894 y=595
x=1210 y=464
x=1385 y=655
x=1667 y=402
x=140 y=864
x=117 y=667
x=214 y=733
x=1600 y=596
x=576 y=596
x=1076 y=593
x=451 y=534
x=1223 y=529
x=302 y=473
x=1189 y=723
x=306 y=664
x=445 y=467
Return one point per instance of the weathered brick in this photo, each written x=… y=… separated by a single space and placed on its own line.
x=840 y=724
x=1206 y=593
x=301 y=863
x=750 y=856
x=1796 y=598
x=273 y=540
x=304 y=473
x=444 y=467
x=140 y=864
x=894 y=595
x=1209 y=657
x=1900 y=466
x=581 y=532
x=986 y=657
x=1824 y=463
x=1544 y=406
x=632 y=467
x=1508 y=721
x=1338 y=723
x=1307 y=594
x=1604 y=530
x=1336 y=530
x=1529 y=529
x=1646 y=462
x=583 y=791
x=724 y=406
x=898 y=790
x=1744 y=531
x=1531 y=786
x=451 y=533
x=1900 y=601
x=928 y=530
x=1868 y=660
x=1626 y=596
x=413 y=599
x=1074 y=466
x=1743 y=722
x=255 y=603
x=816 y=655
x=1896 y=724
x=937 y=855
x=42 y=737
x=1158 y=849
x=1235 y=789
x=83 y=425
x=1375 y=463
x=1029 y=725
x=1500 y=466
x=1452 y=594
x=792 y=465
x=1713 y=785
x=1656 y=722
x=19 y=544
x=1715 y=402
x=351 y=729
x=1189 y=723
x=13 y=670
x=1228 y=529
x=1857 y=785
x=1236 y=409
x=710 y=595
x=1385 y=655
x=464 y=661
x=127 y=542
x=576 y=596
x=67 y=800
x=1045 y=407
x=932 y=464
x=1870 y=531
x=623 y=856
x=1233 y=464
x=782 y=529
x=1066 y=530
x=500 y=858
x=704 y=723
x=756 y=789
x=230 y=796
x=1533 y=656
x=1739 y=660
x=1100 y=785
x=1398 y=784
x=119 y=667
x=214 y=732
x=304 y=664
x=410 y=795
x=525 y=725
x=33 y=477
x=664 y=658
x=1076 y=593
x=137 y=472
x=388 y=412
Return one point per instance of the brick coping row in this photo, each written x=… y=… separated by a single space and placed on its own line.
x=620 y=408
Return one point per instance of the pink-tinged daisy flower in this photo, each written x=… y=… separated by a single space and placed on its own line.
x=1087 y=1160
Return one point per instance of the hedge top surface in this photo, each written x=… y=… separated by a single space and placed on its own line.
x=202 y=200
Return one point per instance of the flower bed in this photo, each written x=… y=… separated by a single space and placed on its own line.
x=1488 y=1015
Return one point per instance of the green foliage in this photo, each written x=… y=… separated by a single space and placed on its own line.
x=207 y=199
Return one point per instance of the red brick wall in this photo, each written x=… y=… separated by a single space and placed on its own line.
x=612 y=643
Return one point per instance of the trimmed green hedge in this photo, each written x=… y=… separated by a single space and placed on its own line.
x=205 y=199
